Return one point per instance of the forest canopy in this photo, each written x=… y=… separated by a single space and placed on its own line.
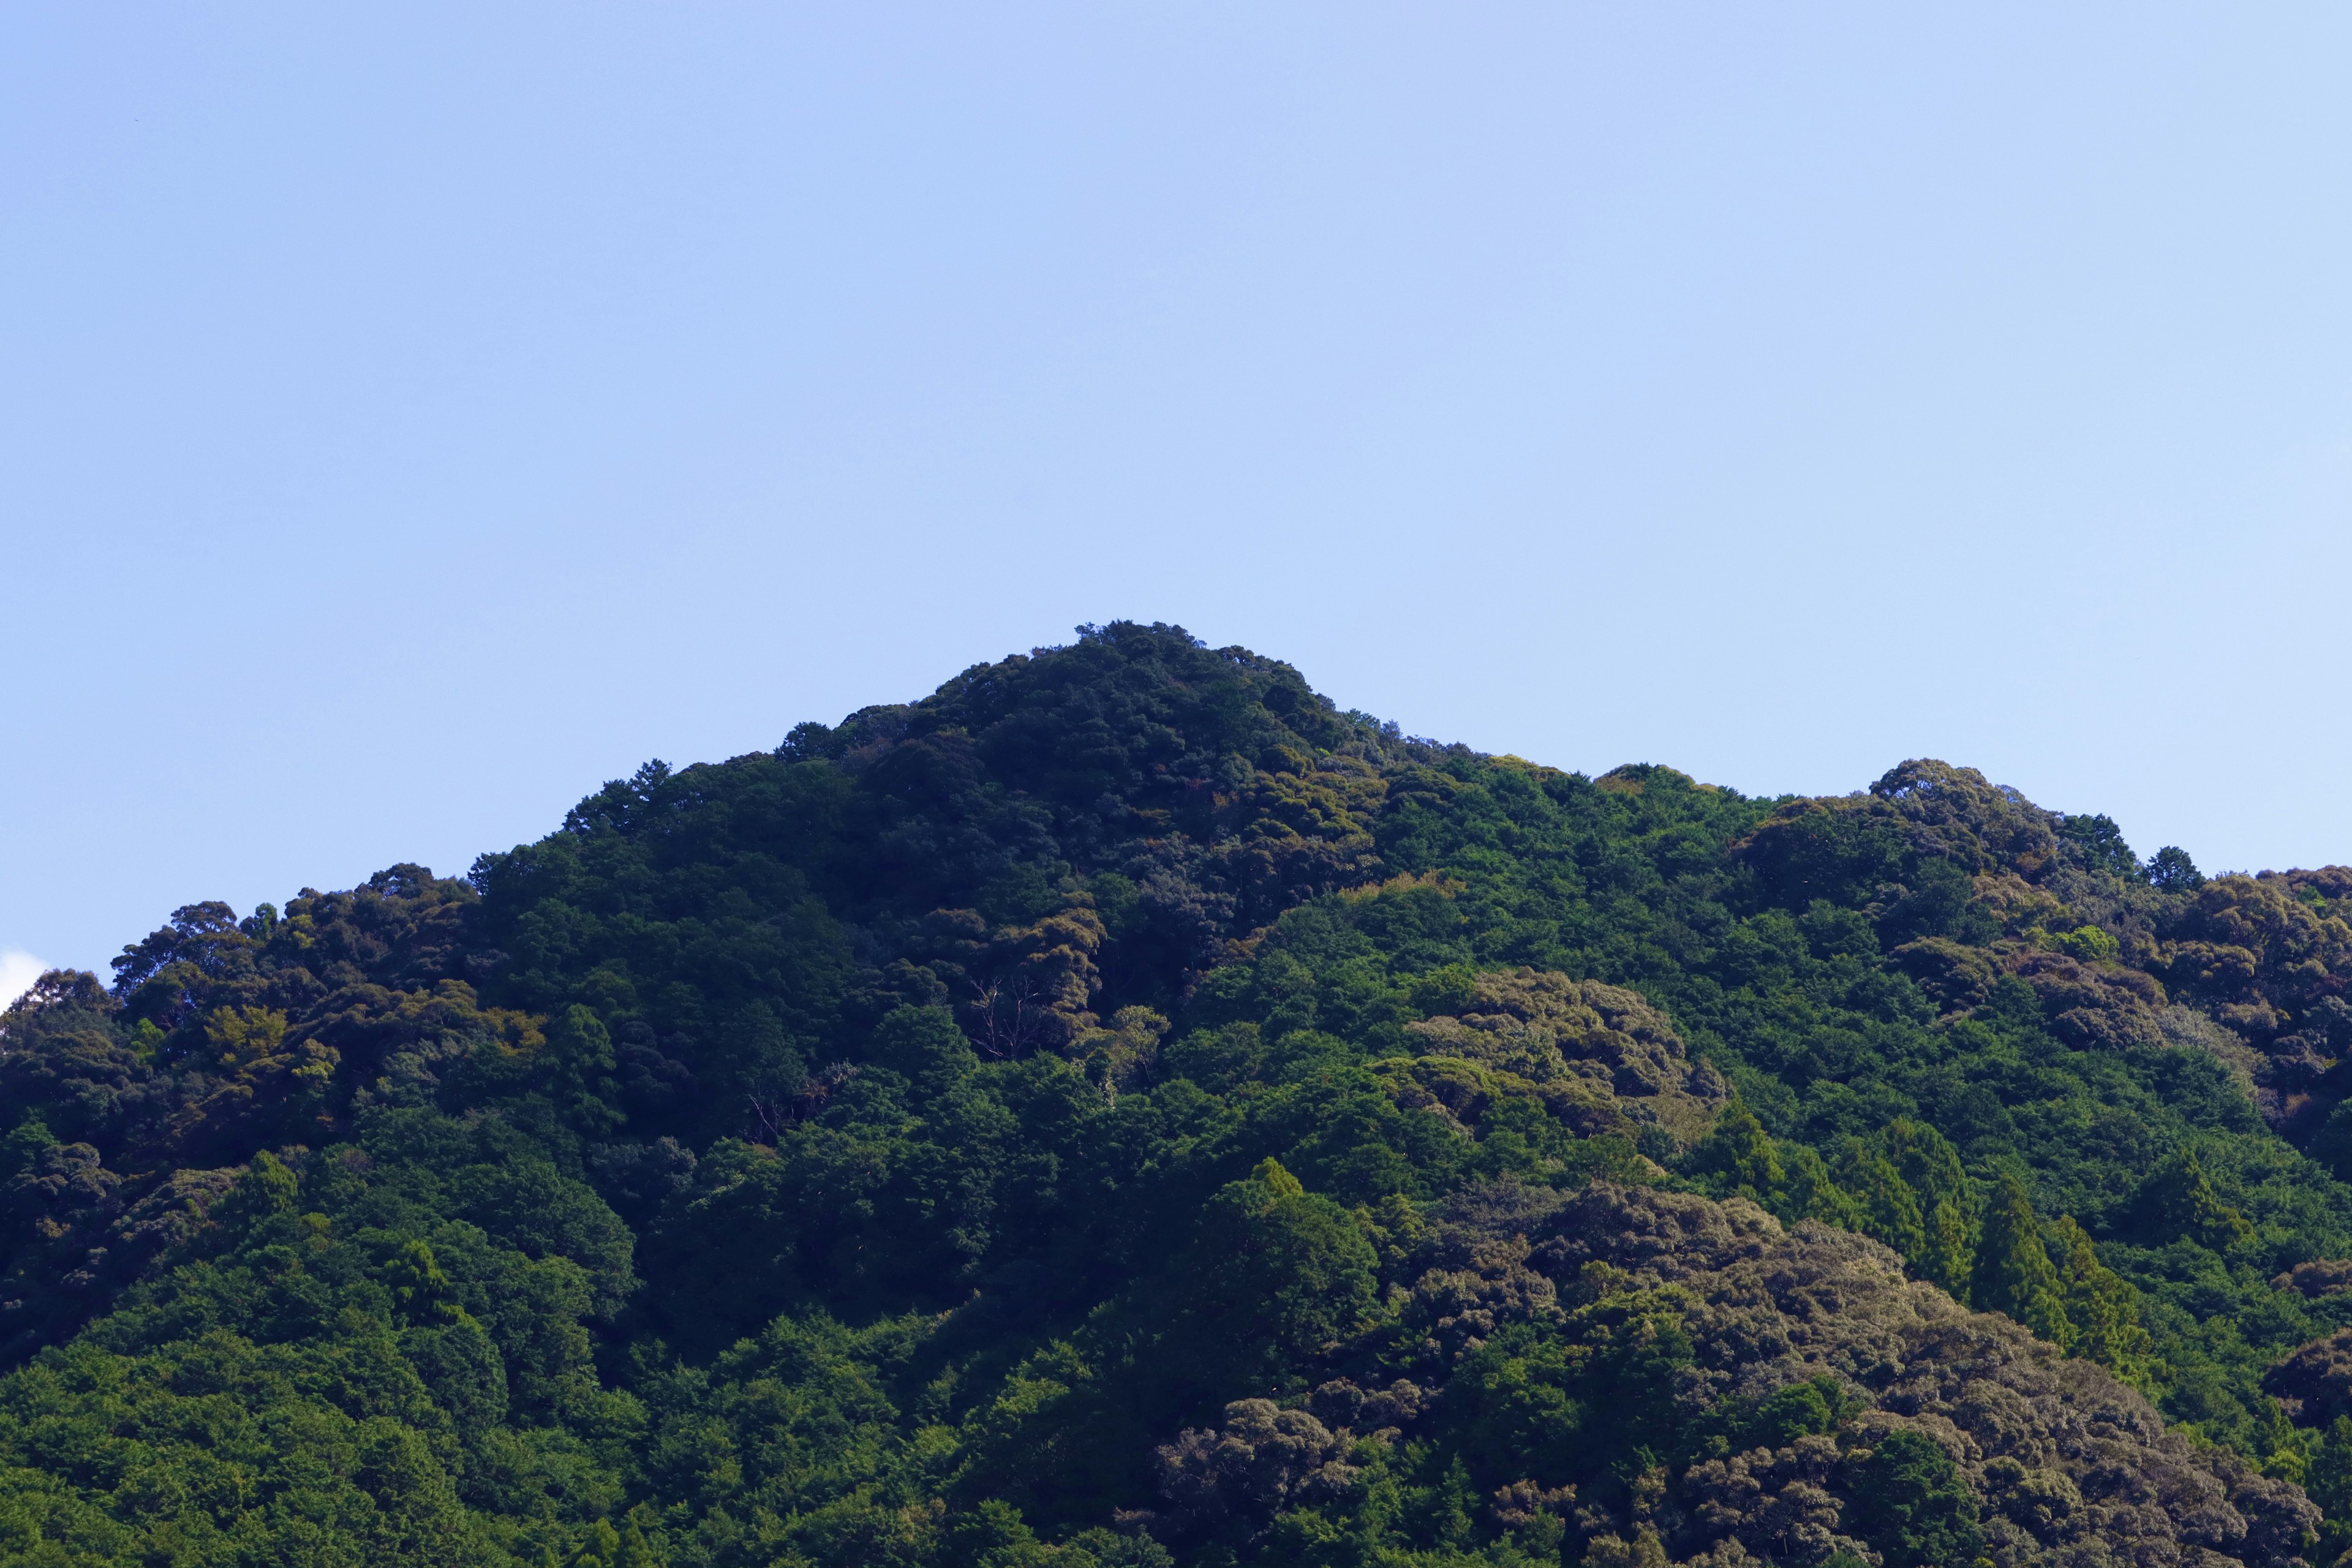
x=1121 y=1108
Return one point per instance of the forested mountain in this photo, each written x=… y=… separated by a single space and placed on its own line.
x=1121 y=1110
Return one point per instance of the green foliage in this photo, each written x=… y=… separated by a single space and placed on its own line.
x=2102 y=1309
x=887 y=1149
x=1912 y=1506
x=1885 y=1207
x=2171 y=870
x=2100 y=844
x=1930 y=1167
x=2181 y=1199
x=1816 y=1407
x=1743 y=1158
x=2328 y=1479
x=2014 y=1272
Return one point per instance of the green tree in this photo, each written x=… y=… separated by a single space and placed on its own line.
x=600 y=1549
x=1885 y=1209
x=576 y=1067
x=267 y=1187
x=635 y=1551
x=2014 y=1272
x=924 y=1045
x=2100 y=843
x=1740 y=1157
x=25 y=1143
x=2170 y=870
x=1930 y=1166
x=1274 y=1274
x=1808 y=1191
x=419 y=1289
x=2102 y=1308
x=1909 y=1500
x=2328 y=1480
x=2184 y=1203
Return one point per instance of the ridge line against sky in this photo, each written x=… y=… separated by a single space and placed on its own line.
x=421 y=417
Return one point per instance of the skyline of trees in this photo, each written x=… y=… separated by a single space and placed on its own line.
x=1121 y=1110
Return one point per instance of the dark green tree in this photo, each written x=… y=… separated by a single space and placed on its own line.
x=1909 y=1501
x=1274 y=1274
x=1930 y=1167
x=2182 y=1202
x=2170 y=870
x=2101 y=845
x=2014 y=1272
x=1885 y=1206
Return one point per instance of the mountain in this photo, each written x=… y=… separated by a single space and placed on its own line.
x=1121 y=1110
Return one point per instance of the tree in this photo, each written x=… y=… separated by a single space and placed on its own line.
x=2014 y=1272
x=1885 y=1208
x=1739 y=1155
x=1930 y=1166
x=2170 y=870
x=266 y=1188
x=1808 y=1191
x=601 y=1549
x=924 y=1045
x=576 y=1066
x=1275 y=1274
x=2329 y=1481
x=2100 y=843
x=419 y=1289
x=1909 y=1501
x=2102 y=1308
x=2182 y=1202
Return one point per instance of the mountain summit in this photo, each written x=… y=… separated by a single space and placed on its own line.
x=1121 y=1110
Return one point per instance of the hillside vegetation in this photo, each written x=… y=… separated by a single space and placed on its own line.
x=1121 y=1111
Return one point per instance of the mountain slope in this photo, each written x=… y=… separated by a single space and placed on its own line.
x=1120 y=1106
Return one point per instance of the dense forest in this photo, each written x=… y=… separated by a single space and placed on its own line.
x=1121 y=1110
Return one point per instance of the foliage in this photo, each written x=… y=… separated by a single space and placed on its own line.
x=1911 y=1505
x=1122 y=1110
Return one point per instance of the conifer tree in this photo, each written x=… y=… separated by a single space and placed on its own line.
x=1808 y=1192
x=1887 y=1209
x=1740 y=1154
x=635 y=1552
x=2185 y=1199
x=2102 y=1307
x=1930 y=1163
x=2014 y=1272
x=600 y=1549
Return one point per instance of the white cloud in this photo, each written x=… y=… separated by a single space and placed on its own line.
x=17 y=972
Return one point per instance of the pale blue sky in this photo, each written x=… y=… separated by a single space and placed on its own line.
x=414 y=416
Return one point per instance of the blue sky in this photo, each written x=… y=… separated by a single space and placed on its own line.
x=415 y=417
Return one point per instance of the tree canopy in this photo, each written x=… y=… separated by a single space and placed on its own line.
x=1122 y=1110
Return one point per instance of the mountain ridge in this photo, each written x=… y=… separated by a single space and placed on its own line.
x=1011 y=1126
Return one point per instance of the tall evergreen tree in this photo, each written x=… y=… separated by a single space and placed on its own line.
x=2014 y=1272
x=2184 y=1201
x=2102 y=1308
x=1931 y=1166
x=1808 y=1191
x=1741 y=1157
x=1885 y=1207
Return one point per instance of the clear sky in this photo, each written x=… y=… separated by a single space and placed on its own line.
x=411 y=417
